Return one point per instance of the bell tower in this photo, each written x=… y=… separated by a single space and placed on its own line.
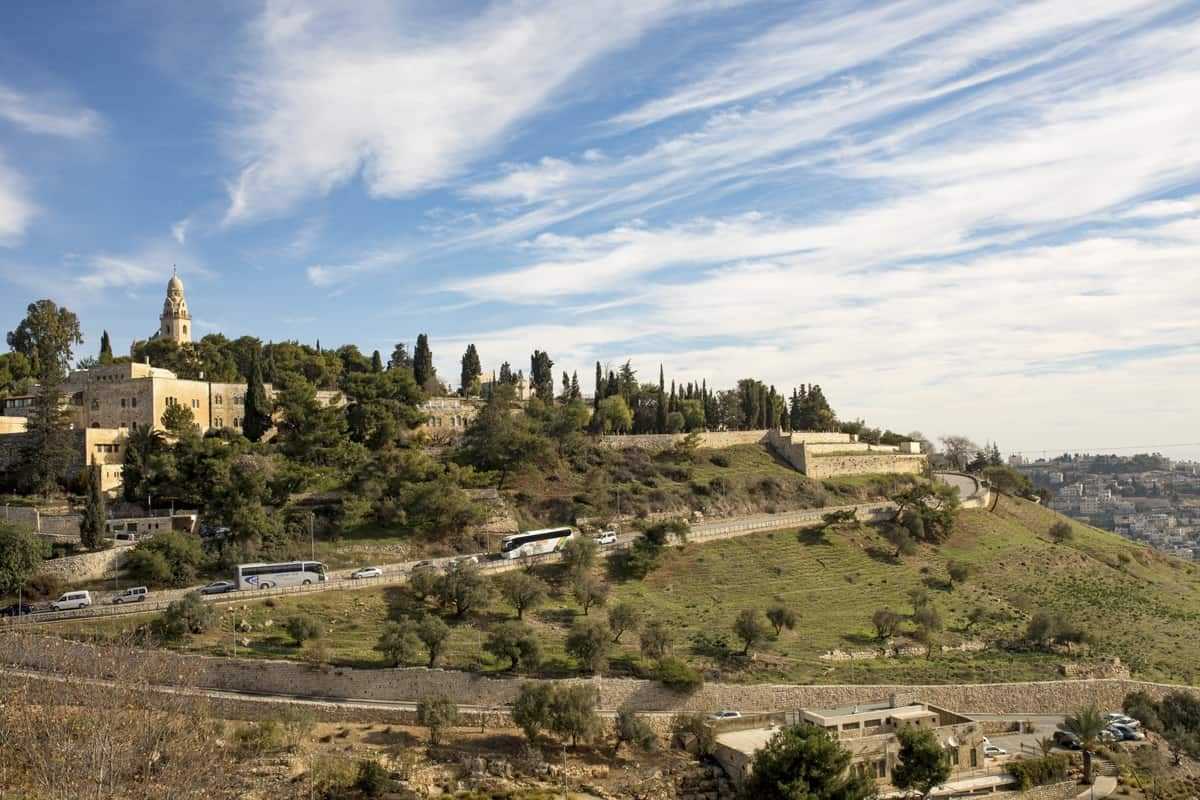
x=176 y=321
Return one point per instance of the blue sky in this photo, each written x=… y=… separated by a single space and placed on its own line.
x=975 y=217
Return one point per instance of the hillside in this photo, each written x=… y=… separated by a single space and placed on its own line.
x=1138 y=605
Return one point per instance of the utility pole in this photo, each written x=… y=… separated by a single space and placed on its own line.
x=312 y=541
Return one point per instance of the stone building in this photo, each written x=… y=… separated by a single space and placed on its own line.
x=447 y=417
x=870 y=732
x=110 y=401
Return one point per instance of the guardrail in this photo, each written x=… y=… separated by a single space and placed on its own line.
x=395 y=574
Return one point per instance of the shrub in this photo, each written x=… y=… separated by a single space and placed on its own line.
x=188 y=614
x=720 y=485
x=692 y=732
x=719 y=460
x=1061 y=531
x=259 y=739
x=45 y=586
x=677 y=675
x=959 y=571
x=1032 y=772
x=302 y=627
x=372 y=780
x=182 y=553
x=781 y=617
x=634 y=731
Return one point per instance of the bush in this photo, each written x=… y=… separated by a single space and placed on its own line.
x=719 y=460
x=781 y=617
x=692 y=732
x=302 y=627
x=720 y=485
x=260 y=739
x=959 y=571
x=634 y=731
x=149 y=567
x=677 y=675
x=373 y=780
x=1032 y=772
x=182 y=553
x=1061 y=531
x=46 y=586
x=187 y=615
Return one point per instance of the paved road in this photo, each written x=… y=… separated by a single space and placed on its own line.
x=395 y=574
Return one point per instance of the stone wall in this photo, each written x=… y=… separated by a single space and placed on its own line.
x=407 y=684
x=24 y=516
x=85 y=567
x=831 y=466
x=655 y=442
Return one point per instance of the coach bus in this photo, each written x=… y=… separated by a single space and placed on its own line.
x=287 y=573
x=534 y=543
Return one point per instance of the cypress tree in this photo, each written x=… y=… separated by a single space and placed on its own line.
x=566 y=387
x=257 y=418
x=423 y=371
x=48 y=449
x=93 y=521
x=468 y=382
x=660 y=413
x=673 y=403
x=575 y=392
x=612 y=387
x=106 y=354
x=599 y=388
x=376 y=362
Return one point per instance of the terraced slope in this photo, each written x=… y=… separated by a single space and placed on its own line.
x=1139 y=606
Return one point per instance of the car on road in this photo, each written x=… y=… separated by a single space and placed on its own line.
x=464 y=561
x=219 y=587
x=16 y=610
x=1067 y=740
x=719 y=715
x=134 y=594
x=366 y=572
x=70 y=601
x=1127 y=733
x=992 y=751
x=605 y=538
x=423 y=565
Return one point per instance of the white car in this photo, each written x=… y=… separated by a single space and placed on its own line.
x=1121 y=719
x=725 y=715
x=992 y=751
x=606 y=538
x=136 y=594
x=72 y=600
x=366 y=572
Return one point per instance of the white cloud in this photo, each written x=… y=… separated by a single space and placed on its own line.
x=16 y=208
x=42 y=114
x=334 y=91
x=179 y=230
x=149 y=265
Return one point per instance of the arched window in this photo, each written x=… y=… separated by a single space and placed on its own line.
x=185 y=330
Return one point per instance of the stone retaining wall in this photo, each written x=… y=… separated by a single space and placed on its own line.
x=655 y=442
x=86 y=566
x=407 y=684
x=818 y=467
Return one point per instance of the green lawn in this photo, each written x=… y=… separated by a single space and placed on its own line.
x=1142 y=609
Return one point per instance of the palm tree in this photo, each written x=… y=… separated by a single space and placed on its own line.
x=1046 y=745
x=1087 y=724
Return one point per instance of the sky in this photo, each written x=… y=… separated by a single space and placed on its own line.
x=977 y=218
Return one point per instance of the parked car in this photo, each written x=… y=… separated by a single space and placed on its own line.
x=1122 y=719
x=725 y=715
x=1109 y=735
x=1067 y=740
x=423 y=565
x=16 y=610
x=992 y=751
x=218 y=587
x=606 y=538
x=366 y=572
x=135 y=594
x=70 y=601
x=1126 y=732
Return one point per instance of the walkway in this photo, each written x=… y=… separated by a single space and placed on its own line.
x=1103 y=786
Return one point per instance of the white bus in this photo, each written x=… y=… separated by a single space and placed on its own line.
x=534 y=543
x=288 y=573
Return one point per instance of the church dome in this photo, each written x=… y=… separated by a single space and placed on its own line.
x=174 y=285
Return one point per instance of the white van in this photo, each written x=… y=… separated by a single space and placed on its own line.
x=134 y=594
x=72 y=600
x=605 y=538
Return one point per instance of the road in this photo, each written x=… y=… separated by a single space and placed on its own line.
x=396 y=574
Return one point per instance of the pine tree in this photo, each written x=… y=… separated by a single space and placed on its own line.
x=93 y=521
x=541 y=376
x=106 y=354
x=599 y=388
x=423 y=371
x=257 y=418
x=566 y=387
x=376 y=362
x=48 y=449
x=612 y=387
x=400 y=358
x=468 y=382
x=576 y=394
x=506 y=374
x=660 y=413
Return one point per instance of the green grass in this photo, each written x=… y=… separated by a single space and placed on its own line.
x=1144 y=611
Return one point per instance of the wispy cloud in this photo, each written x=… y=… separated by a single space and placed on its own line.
x=151 y=264
x=335 y=91
x=16 y=208
x=43 y=114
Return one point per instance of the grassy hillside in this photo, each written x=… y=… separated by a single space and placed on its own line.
x=1138 y=605
x=745 y=479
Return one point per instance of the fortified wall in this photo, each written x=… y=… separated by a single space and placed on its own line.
x=818 y=454
x=408 y=684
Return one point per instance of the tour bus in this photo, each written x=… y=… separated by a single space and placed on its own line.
x=270 y=576
x=534 y=543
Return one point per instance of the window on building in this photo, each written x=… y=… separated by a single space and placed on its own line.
x=96 y=405
x=122 y=403
x=953 y=755
x=185 y=330
x=881 y=768
x=195 y=403
x=217 y=399
x=219 y=422
x=171 y=401
x=133 y=402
